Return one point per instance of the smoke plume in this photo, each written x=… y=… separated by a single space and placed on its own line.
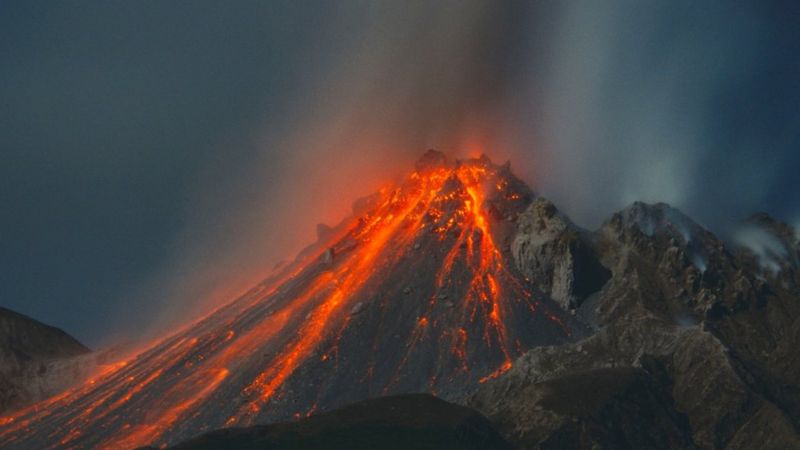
x=595 y=105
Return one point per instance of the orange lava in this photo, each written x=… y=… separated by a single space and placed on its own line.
x=284 y=323
x=353 y=273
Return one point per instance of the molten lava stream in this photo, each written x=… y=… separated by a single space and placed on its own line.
x=465 y=211
x=353 y=273
x=188 y=392
x=203 y=383
x=484 y=291
x=176 y=380
x=108 y=392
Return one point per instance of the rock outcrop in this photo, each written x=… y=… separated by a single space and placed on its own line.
x=36 y=360
x=549 y=250
x=684 y=323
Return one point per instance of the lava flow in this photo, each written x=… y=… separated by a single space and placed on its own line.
x=415 y=293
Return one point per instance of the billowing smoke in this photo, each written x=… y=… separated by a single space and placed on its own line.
x=597 y=104
x=767 y=248
x=667 y=101
x=380 y=84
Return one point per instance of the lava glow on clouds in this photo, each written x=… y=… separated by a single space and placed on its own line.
x=165 y=157
x=596 y=106
x=416 y=271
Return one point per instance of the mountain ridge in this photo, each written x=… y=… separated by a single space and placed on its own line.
x=462 y=282
x=713 y=328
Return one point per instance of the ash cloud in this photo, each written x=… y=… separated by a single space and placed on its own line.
x=161 y=156
x=381 y=83
x=670 y=101
x=596 y=105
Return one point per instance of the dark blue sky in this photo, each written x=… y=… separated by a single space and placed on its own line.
x=116 y=117
x=109 y=110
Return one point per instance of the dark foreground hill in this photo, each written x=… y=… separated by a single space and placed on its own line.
x=414 y=421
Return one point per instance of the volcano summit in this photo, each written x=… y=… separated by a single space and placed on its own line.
x=458 y=281
x=416 y=292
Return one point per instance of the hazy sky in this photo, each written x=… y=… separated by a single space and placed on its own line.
x=159 y=154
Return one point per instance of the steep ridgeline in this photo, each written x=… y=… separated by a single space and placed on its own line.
x=696 y=340
x=416 y=292
x=36 y=360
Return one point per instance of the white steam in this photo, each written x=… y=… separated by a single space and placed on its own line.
x=770 y=252
x=797 y=233
x=596 y=104
x=628 y=100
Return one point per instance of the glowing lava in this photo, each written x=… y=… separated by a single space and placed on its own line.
x=414 y=293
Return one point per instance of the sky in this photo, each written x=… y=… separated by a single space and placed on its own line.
x=160 y=157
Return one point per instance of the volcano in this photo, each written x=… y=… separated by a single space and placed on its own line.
x=415 y=292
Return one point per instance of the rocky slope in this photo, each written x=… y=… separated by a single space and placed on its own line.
x=701 y=335
x=552 y=251
x=693 y=343
x=36 y=360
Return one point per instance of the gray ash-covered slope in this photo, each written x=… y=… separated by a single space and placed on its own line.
x=33 y=358
x=694 y=342
x=411 y=421
x=706 y=333
x=417 y=292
